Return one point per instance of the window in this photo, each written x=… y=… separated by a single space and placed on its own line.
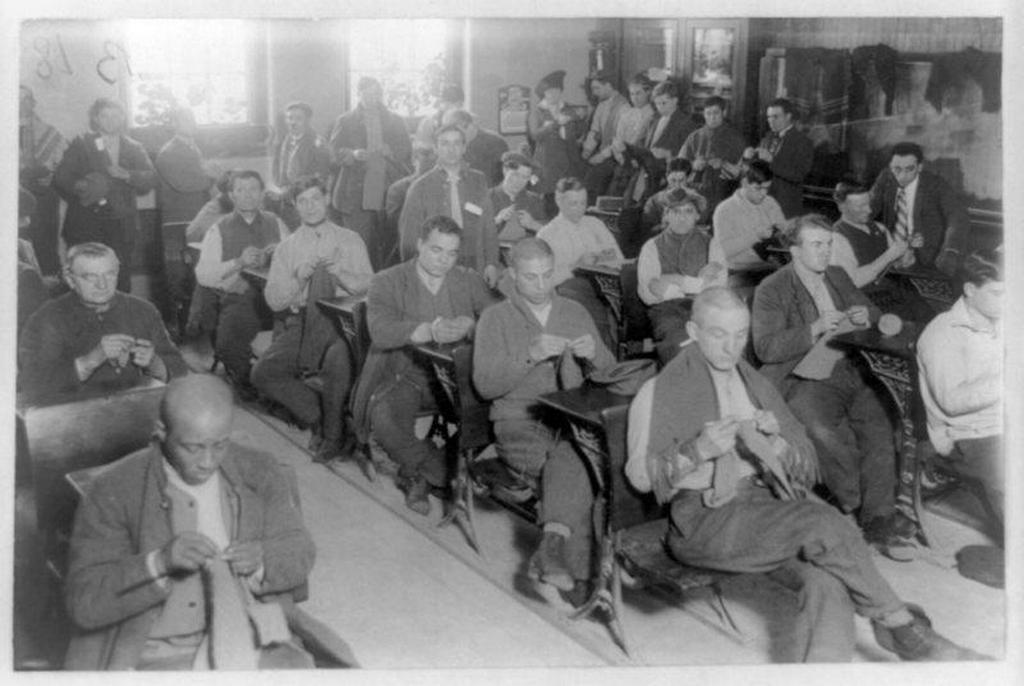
x=407 y=56
x=200 y=64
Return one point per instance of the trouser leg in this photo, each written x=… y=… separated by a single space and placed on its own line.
x=822 y=408
x=393 y=422
x=983 y=459
x=337 y=376
x=567 y=498
x=876 y=441
x=755 y=532
x=598 y=178
x=823 y=629
x=276 y=375
x=237 y=325
x=522 y=444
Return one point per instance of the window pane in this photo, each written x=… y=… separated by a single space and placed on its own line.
x=405 y=55
x=199 y=64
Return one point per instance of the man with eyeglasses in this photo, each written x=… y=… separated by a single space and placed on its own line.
x=748 y=216
x=95 y=338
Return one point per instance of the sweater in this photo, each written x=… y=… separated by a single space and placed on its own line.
x=64 y=329
x=502 y=369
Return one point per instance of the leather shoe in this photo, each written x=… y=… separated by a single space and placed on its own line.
x=548 y=563
x=416 y=495
x=880 y=533
x=918 y=642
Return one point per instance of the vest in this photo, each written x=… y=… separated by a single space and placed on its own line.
x=685 y=255
x=236 y=235
x=867 y=247
x=184 y=611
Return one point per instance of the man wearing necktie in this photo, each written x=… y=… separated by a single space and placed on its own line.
x=790 y=154
x=922 y=207
x=302 y=152
x=796 y=311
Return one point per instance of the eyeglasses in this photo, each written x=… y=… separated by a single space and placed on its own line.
x=95 y=279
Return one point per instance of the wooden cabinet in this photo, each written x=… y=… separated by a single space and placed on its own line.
x=708 y=55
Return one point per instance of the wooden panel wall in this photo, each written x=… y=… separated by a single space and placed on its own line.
x=904 y=34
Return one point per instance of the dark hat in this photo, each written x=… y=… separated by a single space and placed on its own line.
x=555 y=79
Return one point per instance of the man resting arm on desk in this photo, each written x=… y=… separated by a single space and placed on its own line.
x=427 y=299
x=537 y=342
x=319 y=260
x=700 y=436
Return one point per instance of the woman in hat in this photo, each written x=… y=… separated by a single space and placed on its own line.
x=556 y=129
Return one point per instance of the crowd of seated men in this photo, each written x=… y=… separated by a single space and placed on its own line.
x=741 y=381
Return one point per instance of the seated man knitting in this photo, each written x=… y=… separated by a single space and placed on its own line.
x=319 y=260
x=179 y=546
x=716 y=443
x=428 y=299
x=537 y=342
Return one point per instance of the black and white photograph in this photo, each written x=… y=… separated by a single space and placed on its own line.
x=482 y=342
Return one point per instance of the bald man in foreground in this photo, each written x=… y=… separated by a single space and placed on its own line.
x=714 y=441
x=193 y=516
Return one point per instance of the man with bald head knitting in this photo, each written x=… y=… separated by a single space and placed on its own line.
x=174 y=545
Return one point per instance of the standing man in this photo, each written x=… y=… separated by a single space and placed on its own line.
x=522 y=347
x=922 y=208
x=517 y=209
x=318 y=260
x=796 y=311
x=300 y=152
x=99 y=178
x=370 y=150
x=40 y=148
x=483 y=148
x=185 y=182
x=95 y=338
x=701 y=435
x=715 y=151
x=426 y=299
x=453 y=190
x=597 y=146
x=452 y=98
x=790 y=154
x=960 y=355
x=165 y=535
x=243 y=239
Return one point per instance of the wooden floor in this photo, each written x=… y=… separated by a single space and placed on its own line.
x=408 y=595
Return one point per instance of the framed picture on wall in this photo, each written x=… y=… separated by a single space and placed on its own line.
x=714 y=53
x=513 y=109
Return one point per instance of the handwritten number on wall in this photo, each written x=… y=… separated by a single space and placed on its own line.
x=48 y=51
x=112 y=51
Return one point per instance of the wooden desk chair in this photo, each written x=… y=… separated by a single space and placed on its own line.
x=66 y=437
x=639 y=527
x=461 y=407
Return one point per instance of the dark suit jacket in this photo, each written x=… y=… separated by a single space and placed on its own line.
x=939 y=216
x=111 y=596
x=349 y=134
x=782 y=315
x=790 y=166
x=311 y=157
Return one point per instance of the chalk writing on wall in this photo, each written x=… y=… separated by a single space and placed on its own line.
x=106 y=67
x=48 y=51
